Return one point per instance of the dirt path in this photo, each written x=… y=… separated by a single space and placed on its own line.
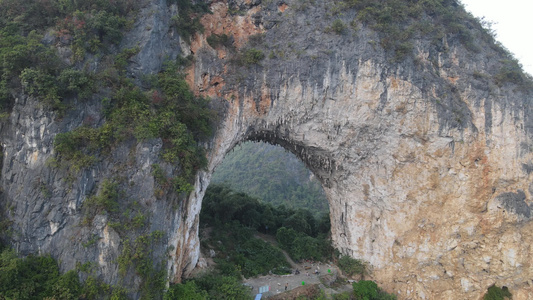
x=277 y=283
x=270 y=239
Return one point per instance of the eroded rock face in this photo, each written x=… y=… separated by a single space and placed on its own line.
x=426 y=166
x=426 y=163
x=45 y=204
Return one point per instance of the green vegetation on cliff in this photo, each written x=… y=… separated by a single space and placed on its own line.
x=273 y=175
x=163 y=108
x=497 y=293
x=400 y=23
x=27 y=61
x=167 y=110
x=38 y=277
x=369 y=290
x=66 y=54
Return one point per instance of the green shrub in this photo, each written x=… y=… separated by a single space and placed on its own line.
x=251 y=56
x=511 y=72
x=187 y=21
x=38 y=277
x=121 y=59
x=105 y=201
x=159 y=175
x=107 y=26
x=496 y=293
x=35 y=277
x=351 y=266
x=51 y=89
x=365 y=290
x=216 y=40
x=242 y=253
x=76 y=83
x=137 y=255
x=188 y=290
x=223 y=287
x=77 y=148
x=39 y=84
x=337 y=26
x=369 y=290
x=286 y=237
x=302 y=246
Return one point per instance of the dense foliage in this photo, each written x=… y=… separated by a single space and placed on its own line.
x=297 y=231
x=212 y=286
x=351 y=266
x=85 y=26
x=38 y=277
x=369 y=290
x=34 y=278
x=238 y=248
x=273 y=175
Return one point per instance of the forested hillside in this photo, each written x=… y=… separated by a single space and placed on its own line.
x=272 y=174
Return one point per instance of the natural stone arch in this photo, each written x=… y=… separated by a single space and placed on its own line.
x=409 y=157
x=426 y=162
x=402 y=188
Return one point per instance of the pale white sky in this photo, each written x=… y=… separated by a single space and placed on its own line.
x=513 y=23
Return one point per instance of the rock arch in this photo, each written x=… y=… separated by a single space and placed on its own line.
x=416 y=200
x=416 y=160
x=426 y=162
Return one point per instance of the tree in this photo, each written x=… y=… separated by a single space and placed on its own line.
x=366 y=290
x=351 y=266
x=305 y=247
x=188 y=290
x=268 y=223
x=286 y=237
x=299 y=223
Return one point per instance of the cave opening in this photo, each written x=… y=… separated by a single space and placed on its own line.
x=272 y=174
x=263 y=196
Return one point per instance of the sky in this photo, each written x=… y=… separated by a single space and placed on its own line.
x=513 y=22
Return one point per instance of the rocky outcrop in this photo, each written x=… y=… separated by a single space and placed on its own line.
x=45 y=202
x=426 y=162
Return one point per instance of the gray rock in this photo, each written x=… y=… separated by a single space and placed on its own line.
x=515 y=203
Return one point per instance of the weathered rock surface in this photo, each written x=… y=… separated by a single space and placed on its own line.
x=425 y=163
x=45 y=203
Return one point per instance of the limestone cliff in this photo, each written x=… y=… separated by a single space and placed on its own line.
x=425 y=158
x=424 y=162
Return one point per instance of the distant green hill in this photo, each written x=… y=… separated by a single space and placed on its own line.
x=273 y=175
